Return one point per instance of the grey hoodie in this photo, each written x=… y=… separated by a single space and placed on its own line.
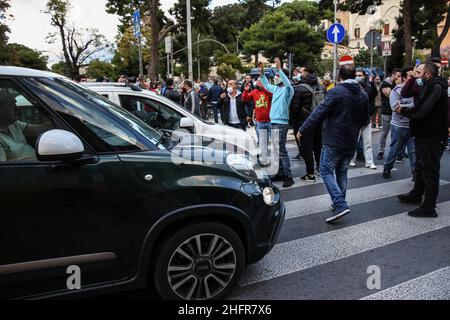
x=398 y=119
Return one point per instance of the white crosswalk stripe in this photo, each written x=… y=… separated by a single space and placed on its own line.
x=303 y=207
x=333 y=245
x=297 y=255
x=432 y=286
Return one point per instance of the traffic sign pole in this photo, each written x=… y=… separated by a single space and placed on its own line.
x=335 y=45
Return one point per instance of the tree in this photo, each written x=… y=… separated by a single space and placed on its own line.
x=79 y=45
x=227 y=21
x=159 y=24
x=59 y=67
x=22 y=56
x=421 y=23
x=4 y=29
x=98 y=69
x=362 y=59
x=279 y=33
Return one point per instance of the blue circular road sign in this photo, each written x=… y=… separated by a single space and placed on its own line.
x=336 y=33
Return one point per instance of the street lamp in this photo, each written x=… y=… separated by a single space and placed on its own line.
x=237 y=45
x=198 y=55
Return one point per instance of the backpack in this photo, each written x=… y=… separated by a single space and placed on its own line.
x=318 y=95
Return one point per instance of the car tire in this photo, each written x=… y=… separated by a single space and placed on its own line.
x=185 y=271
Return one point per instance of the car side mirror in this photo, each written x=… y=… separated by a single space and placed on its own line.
x=186 y=123
x=59 y=145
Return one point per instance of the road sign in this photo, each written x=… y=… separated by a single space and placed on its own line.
x=336 y=33
x=372 y=39
x=137 y=23
x=168 y=44
x=386 y=47
x=344 y=60
x=444 y=61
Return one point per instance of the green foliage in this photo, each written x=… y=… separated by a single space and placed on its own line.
x=98 y=69
x=362 y=59
x=227 y=21
x=277 y=34
x=22 y=56
x=4 y=29
x=424 y=20
x=200 y=13
x=59 y=67
x=226 y=71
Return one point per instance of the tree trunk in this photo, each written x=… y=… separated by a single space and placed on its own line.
x=407 y=30
x=154 y=43
x=256 y=60
x=436 y=51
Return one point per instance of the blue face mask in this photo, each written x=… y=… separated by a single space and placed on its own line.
x=419 y=82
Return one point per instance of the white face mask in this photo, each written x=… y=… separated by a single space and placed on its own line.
x=230 y=90
x=277 y=80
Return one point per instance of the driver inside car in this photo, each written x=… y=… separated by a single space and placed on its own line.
x=14 y=133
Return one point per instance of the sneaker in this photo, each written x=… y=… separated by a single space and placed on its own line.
x=338 y=215
x=399 y=159
x=332 y=207
x=288 y=182
x=371 y=166
x=423 y=213
x=278 y=177
x=309 y=178
x=352 y=164
x=386 y=174
x=380 y=156
x=407 y=198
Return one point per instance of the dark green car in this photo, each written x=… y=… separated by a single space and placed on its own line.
x=92 y=201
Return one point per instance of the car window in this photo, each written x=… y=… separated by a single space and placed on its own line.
x=160 y=116
x=21 y=123
x=107 y=127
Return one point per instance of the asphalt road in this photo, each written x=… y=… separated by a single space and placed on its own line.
x=315 y=260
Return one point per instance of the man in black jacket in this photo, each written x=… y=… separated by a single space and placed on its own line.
x=171 y=93
x=214 y=98
x=429 y=128
x=233 y=107
x=343 y=113
x=300 y=109
x=366 y=132
x=385 y=90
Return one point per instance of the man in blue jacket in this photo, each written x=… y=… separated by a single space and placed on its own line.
x=344 y=112
x=213 y=97
x=282 y=93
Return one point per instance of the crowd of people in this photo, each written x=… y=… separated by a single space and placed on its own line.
x=333 y=122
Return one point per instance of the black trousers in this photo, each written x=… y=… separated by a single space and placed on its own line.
x=311 y=149
x=428 y=164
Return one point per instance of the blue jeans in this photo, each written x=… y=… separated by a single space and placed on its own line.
x=284 y=168
x=263 y=133
x=400 y=138
x=334 y=164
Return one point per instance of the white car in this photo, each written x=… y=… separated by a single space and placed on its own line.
x=169 y=115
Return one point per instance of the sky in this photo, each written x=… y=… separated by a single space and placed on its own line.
x=30 y=25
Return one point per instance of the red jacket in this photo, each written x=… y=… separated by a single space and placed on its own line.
x=263 y=102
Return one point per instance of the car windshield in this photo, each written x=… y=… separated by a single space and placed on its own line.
x=110 y=134
x=171 y=103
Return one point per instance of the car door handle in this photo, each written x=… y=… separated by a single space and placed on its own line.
x=148 y=177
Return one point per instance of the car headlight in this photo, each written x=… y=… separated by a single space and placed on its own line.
x=243 y=166
x=268 y=195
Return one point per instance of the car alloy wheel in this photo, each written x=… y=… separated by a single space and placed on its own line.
x=201 y=267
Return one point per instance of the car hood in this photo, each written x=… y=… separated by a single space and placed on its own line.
x=241 y=139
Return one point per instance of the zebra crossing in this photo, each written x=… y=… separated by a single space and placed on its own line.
x=315 y=260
